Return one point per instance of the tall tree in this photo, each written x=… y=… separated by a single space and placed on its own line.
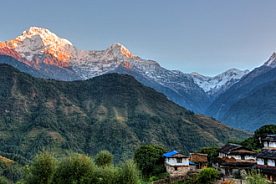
x=149 y=159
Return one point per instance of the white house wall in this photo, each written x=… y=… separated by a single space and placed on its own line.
x=221 y=155
x=271 y=163
x=260 y=161
x=272 y=144
x=173 y=162
x=237 y=157
x=269 y=144
x=248 y=157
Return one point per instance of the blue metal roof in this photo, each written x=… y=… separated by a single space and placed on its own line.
x=170 y=154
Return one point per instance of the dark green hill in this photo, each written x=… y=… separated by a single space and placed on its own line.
x=113 y=112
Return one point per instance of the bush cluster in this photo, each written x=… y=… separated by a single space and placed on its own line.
x=79 y=169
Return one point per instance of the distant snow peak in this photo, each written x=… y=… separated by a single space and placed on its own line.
x=47 y=36
x=271 y=62
x=36 y=41
x=224 y=80
x=119 y=49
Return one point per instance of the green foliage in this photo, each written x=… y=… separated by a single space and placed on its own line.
x=77 y=169
x=266 y=129
x=4 y=180
x=149 y=159
x=41 y=170
x=74 y=169
x=251 y=143
x=129 y=173
x=103 y=158
x=256 y=178
x=105 y=175
x=207 y=176
x=153 y=178
x=10 y=170
x=13 y=172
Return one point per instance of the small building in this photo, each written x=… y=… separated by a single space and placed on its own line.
x=269 y=141
x=266 y=159
x=200 y=160
x=237 y=151
x=234 y=158
x=266 y=163
x=176 y=163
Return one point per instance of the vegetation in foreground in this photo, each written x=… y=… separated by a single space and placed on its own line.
x=77 y=169
x=256 y=178
x=47 y=168
x=147 y=166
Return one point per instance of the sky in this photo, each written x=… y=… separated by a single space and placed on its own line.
x=201 y=36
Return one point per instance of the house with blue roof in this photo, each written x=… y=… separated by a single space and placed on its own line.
x=176 y=163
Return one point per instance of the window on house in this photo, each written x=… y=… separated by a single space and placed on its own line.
x=179 y=160
x=242 y=157
x=265 y=161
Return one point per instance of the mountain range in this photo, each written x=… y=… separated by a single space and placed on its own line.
x=111 y=111
x=43 y=54
x=250 y=103
x=57 y=58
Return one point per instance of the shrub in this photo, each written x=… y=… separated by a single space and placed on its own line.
x=105 y=175
x=41 y=170
x=75 y=169
x=104 y=158
x=207 y=176
x=256 y=178
x=129 y=174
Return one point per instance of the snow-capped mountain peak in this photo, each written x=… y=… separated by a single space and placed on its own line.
x=119 y=49
x=46 y=36
x=36 y=41
x=213 y=85
x=56 y=58
x=271 y=62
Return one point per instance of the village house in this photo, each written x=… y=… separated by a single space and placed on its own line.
x=200 y=160
x=176 y=163
x=269 y=141
x=267 y=158
x=234 y=158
